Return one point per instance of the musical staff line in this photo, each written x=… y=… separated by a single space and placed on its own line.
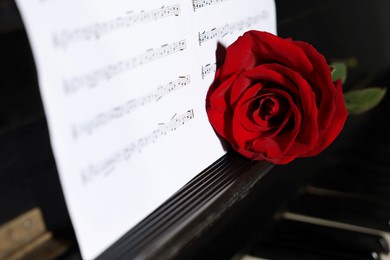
x=91 y=79
x=221 y=32
x=208 y=69
x=65 y=38
x=109 y=164
x=91 y=125
x=197 y=4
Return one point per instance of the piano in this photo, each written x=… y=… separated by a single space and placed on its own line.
x=333 y=206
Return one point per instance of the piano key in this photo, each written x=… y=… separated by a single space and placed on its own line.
x=343 y=226
x=359 y=175
x=294 y=240
x=366 y=171
x=346 y=192
x=247 y=257
x=366 y=151
x=355 y=211
x=338 y=182
x=293 y=250
x=276 y=250
x=334 y=237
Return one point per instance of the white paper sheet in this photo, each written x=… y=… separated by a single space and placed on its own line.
x=123 y=85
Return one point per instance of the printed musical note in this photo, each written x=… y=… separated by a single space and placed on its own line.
x=107 y=165
x=220 y=32
x=208 y=69
x=203 y=3
x=91 y=79
x=119 y=111
x=93 y=32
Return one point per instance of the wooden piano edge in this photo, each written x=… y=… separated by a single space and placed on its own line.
x=176 y=228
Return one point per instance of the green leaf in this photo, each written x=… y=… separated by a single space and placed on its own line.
x=362 y=100
x=339 y=71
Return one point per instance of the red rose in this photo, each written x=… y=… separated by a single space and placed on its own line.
x=273 y=99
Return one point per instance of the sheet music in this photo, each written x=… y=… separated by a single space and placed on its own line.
x=123 y=85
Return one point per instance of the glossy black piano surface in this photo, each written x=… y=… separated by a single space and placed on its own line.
x=347 y=187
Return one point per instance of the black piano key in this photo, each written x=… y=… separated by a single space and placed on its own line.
x=363 y=197
x=276 y=251
x=335 y=238
x=353 y=185
x=364 y=184
x=377 y=164
x=360 y=174
x=283 y=243
x=358 y=171
x=342 y=209
x=375 y=152
x=357 y=157
x=366 y=169
x=280 y=250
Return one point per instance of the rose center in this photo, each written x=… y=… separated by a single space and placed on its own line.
x=270 y=111
x=268 y=108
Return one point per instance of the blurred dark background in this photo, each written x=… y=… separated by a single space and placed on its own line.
x=28 y=176
x=355 y=31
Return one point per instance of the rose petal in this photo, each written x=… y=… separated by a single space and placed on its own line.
x=217 y=99
x=321 y=80
x=254 y=48
x=338 y=120
x=218 y=108
x=241 y=85
x=266 y=74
